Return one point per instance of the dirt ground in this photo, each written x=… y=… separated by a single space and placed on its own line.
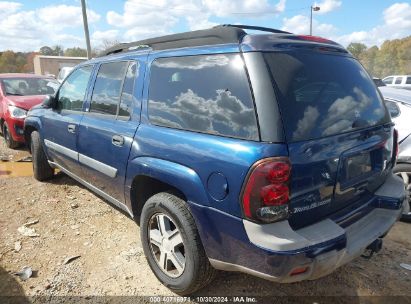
x=72 y=221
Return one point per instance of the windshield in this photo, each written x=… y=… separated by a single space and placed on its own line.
x=30 y=86
x=322 y=94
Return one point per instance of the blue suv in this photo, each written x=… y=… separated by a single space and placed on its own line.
x=268 y=154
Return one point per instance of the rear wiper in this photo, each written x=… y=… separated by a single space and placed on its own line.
x=14 y=94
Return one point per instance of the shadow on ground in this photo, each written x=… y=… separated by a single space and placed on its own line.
x=10 y=289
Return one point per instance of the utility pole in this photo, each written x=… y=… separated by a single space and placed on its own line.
x=85 y=23
x=312 y=9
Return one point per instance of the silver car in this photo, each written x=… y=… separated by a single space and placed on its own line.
x=398 y=102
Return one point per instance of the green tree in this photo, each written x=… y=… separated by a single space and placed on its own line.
x=58 y=50
x=75 y=52
x=356 y=49
x=367 y=58
x=11 y=62
x=46 y=50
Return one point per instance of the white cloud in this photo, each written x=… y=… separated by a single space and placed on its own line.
x=141 y=19
x=300 y=24
x=27 y=30
x=327 y=6
x=223 y=8
x=99 y=36
x=65 y=15
x=397 y=24
x=7 y=7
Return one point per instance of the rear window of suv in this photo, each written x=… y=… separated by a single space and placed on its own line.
x=321 y=95
x=204 y=93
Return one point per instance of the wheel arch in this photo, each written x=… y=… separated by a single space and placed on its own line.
x=147 y=176
x=30 y=125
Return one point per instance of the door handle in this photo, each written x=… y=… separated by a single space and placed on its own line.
x=117 y=140
x=71 y=128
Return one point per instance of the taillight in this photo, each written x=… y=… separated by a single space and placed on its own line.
x=315 y=39
x=266 y=193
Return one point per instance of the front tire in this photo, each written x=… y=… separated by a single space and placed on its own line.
x=8 y=138
x=41 y=168
x=172 y=245
x=403 y=170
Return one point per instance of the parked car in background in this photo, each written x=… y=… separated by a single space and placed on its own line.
x=267 y=154
x=398 y=81
x=18 y=94
x=63 y=73
x=378 y=82
x=398 y=102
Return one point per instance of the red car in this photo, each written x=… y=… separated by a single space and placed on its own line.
x=18 y=94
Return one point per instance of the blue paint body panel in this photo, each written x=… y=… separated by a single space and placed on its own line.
x=210 y=170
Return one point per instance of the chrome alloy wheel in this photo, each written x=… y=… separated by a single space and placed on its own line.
x=166 y=245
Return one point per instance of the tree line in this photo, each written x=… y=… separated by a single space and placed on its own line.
x=392 y=58
x=22 y=62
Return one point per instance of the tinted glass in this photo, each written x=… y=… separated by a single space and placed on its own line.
x=73 y=90
x=107 y=89
x=30 y=86
x=321 y=94
x=127 y=96
x=379 y=83
x=398 y=80
x=392 y=108
x=207 y=93
x=388 y=80
x=408 y=81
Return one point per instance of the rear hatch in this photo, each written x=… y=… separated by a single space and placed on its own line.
x=338 y=131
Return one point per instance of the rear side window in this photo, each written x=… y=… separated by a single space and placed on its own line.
x=207 y=93
x=408 y=80
x=398 y=80
x=127 y=96
x=321 y=94
x=107 y=88
x=388 y=80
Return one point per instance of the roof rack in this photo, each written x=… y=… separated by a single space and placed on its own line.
x=221 y=34
x=255 y=28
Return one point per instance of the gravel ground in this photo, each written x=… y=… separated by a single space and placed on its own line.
x=73 y=222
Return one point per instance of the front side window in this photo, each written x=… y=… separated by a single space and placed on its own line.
x=107 y=88
x=73 y=90
x=206 y=93
x=388 y=80
x=323 y=94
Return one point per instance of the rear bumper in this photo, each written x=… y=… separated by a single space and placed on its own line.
x=274 y=251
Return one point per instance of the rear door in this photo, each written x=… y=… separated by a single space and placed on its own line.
x=338 y=131
x=108 y=127
x=61 y=125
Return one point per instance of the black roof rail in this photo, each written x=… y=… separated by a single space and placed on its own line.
x=220 y=34
x=256 y=28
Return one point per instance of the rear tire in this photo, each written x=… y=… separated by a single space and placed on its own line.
x=8 y=138
x=400 y=169
x=194 y=270
x=41 y=168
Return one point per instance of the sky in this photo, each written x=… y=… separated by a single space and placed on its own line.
x=27 y=25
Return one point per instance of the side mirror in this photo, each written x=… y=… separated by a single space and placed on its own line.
x=50 y=102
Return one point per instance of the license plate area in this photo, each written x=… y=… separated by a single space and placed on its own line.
x=359 y=169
